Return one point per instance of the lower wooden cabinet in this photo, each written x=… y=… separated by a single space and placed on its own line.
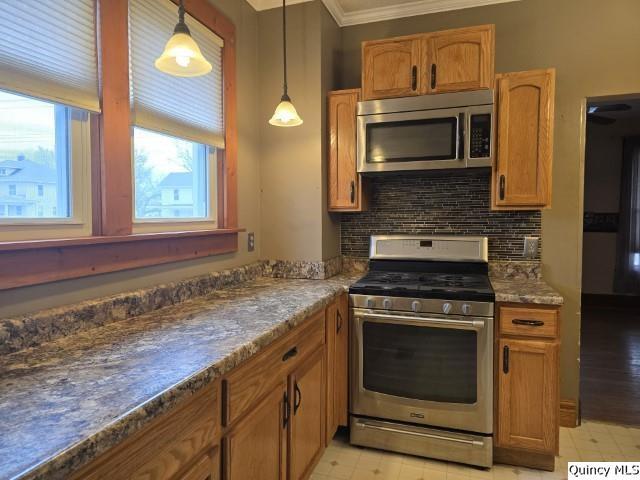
x=256 y=447
x=337 y=365
x=307 y=418
x=527 y=383
x=205 y=468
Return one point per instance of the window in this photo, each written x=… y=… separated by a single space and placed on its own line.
x=47 y=87
x=178 y=122
x=169 y=172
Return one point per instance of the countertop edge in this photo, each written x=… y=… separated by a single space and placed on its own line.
x=65 y=462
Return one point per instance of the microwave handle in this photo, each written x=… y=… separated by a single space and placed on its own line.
x=461 y=132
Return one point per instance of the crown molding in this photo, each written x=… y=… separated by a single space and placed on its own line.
x=409 y=9
x=267 y=4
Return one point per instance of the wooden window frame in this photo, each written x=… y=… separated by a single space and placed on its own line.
x=112 y=245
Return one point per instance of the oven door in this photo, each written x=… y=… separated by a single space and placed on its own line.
x=417 y=140
x=426 y=369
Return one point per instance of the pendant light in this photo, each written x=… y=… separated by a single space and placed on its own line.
x=182 y=56
x=285 y=114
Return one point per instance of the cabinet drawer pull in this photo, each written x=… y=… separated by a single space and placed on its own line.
x=502 y=181
x=287 y=410
x=339 y=322
x=352 y=192
x=290 y=354
x=433 y=75
x=505 y=359
x=297 y=398
x=529 y=323
x=414 y=78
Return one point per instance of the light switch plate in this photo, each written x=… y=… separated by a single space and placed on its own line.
x=251 y=242
x=530 y=247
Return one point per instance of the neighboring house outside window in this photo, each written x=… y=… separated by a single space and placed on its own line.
x=176 y=194
x=26 y=187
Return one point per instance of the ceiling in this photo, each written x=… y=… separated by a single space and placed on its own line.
x=353 y=12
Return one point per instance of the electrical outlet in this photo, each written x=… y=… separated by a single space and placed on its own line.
x=251 y=242
x=530 y=247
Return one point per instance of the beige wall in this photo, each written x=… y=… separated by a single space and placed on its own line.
x=30 y=299
x=603 y=169
x=295 y=225
x=594 y=46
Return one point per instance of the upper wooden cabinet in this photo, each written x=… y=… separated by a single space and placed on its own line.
x=447 y=61
x=391 y=67
x=525 y=114
x=461 y=59
x=345 y=190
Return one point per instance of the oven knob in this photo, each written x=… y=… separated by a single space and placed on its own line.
x=446 y=307
x=371 y=303
x=416 y=306
x=386 y=303
x=466 y=308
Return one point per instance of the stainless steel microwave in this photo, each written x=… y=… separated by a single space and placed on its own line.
x=447 y=130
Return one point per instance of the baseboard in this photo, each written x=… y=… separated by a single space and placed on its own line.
x=522 y=458
x=610 y=300
x=568 y=413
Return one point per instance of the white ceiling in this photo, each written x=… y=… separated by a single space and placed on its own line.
x=353 y=12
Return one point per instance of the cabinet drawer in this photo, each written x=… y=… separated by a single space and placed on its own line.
x=529 y=322
x=248 y=383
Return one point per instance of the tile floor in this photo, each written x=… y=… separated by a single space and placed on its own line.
x=592 y=441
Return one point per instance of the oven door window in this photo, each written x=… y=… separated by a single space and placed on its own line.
x=412 y=140
x=422 y=363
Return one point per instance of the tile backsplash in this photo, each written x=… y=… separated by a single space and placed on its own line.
x=451 y=203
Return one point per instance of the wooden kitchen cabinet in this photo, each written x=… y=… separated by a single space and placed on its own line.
x=527 y=383
x=392 y=67
x=337 y=365
x=180 y=444
x=308 y=393
x=256 y=447
x=525 y=116
x=460 y=59
x=438 y=62
x=345 y=189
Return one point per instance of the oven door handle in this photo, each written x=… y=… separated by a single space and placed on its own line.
x=432 y=436
x=437 y=322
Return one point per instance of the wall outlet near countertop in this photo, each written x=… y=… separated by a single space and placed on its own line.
x=251 y=242
x=530 y=247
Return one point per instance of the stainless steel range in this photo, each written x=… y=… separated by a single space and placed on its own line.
x=422 y=349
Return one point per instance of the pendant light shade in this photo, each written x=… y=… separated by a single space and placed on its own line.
x=285 y=114
x=182 y=56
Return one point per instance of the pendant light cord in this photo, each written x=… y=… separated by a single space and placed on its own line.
x=181 y=27
x=285 y=96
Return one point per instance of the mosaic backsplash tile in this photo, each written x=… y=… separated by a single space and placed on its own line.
x=438 y=204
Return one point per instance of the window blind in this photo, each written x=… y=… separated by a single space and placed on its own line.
x=189 y=108
x=48 y=50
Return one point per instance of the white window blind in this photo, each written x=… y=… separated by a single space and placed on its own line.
x=189 y=108
x=48 y=50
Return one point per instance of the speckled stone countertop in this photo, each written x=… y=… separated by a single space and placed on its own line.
x=64 y=402
x=534 y=291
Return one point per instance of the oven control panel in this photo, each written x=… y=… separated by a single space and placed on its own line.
x=423 y=305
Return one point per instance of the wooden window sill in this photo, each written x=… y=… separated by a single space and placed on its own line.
x=41 y=261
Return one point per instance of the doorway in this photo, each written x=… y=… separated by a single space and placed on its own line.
x=610 y=329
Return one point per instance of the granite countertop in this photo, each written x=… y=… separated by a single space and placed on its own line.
x=64 y=402
x=525 y=290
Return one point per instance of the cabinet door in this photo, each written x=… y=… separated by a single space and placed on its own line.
x=341 y=378
x=256 y=447
x=391 y=67
x=344 y=189
x=522 y=172
x=461 y=59
x=528 y=395
x=206 y=468
x=307 y=439
x=337 y=365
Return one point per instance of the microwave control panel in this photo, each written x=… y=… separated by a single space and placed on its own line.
x=480 y=140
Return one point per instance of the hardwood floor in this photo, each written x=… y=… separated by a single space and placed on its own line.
x=610 y=364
